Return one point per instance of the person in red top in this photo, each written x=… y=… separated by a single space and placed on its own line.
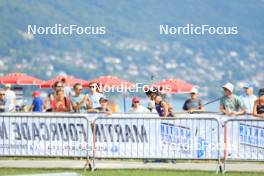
x=61 y=103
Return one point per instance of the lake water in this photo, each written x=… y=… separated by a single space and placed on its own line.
x=177 y=104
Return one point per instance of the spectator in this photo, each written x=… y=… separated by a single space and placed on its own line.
x=113 y=106
x=37 y=104
x=103 y=107
x=136 y=107
x=95 y=95
x=152 y=94
x=66 y=87
x=2 y=101
x=230 y=104
x=151 y=106
x=61 y=103
x=249 y=98
x=161 y=107
x=51 y=96
x=170 y=111
x=258 y=110
x=80 y=102
x=47 y=103
x=193 y=103
x=58 y=86
x=10 y=99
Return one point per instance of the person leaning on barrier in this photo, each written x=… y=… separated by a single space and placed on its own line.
x=61 y=103
x=170 y=111
x=193 y=103
x=231 y=104
x=103 y=108
x=161 y=106
x=151 y=94
x=2 y=101
x=151 y=107
x=51 y=96
x=258 y=110
x=136 y=107
x=248 y=98
x=80 y=102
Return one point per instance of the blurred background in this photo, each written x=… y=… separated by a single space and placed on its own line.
x=132 y=48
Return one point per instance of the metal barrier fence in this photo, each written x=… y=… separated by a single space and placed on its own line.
x=244 y=140
x=132 y=136
x=156 y=138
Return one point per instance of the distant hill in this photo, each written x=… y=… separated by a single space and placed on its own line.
x=132 y=47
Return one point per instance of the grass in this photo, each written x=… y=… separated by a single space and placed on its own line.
x=127 y=160
x=123 y=172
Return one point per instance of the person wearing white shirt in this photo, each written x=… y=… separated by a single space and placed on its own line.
x=95 y=95
x=10 y=99
x=67 y=89
x=136 y=107
x=248 y=98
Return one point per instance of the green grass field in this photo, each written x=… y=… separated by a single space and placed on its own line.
x=124 y=172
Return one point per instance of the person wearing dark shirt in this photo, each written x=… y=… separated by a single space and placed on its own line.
x=2 y=101
x=161 y=107
x=37 y=104
x=258 y=110
x=193 y=103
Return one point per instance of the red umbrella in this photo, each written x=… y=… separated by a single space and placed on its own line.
x=20 y=79
x=70 y=80
x=111 y=81
x=173 y=86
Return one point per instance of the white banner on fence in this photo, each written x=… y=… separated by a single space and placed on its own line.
x=141 y=136
x=245 y=140
x=156 y=138
x=44 y=136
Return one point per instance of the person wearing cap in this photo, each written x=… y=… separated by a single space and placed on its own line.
x=248 y=98
x=103 y=107
x=231 y=104
x=10 y=98
x=80 y=102
x=37 y=103
x=258 y=109
x=2 y=101
x=193 y=103
x=136 y=107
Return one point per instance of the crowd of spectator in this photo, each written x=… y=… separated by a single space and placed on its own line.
x=64 y=99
